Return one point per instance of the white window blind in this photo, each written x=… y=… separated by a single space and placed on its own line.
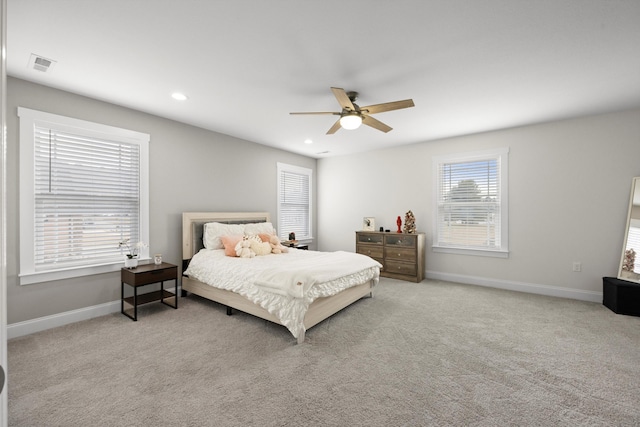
x=84 y=189
x=87 y=193
x=470 y=211
x=294 y=201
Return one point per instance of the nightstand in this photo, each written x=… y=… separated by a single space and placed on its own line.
x=143 y=275
x=295 y=244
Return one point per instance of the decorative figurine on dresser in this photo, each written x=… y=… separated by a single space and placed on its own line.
x=401 y=254
x=409 y=223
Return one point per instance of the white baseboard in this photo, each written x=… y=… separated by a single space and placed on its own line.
x=27 y=327
x=532 y=288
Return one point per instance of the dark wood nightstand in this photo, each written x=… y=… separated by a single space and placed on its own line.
x=295 y=244
x=147 y=274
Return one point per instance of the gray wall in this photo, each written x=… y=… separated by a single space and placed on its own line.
x=569 y=190
x=191 y=169
x=569 y=186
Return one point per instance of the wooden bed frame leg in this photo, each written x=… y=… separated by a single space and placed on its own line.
x=301 y=337
x=229 y=311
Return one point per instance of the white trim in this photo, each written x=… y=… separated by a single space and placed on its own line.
x=476 y=252
x=32 y=326
x=84 y=126
x=28 y=119
x=68 y=273
x=503 y=154
x=285 y=167
x=531 y=288
x=4 y=396
x=27 y=327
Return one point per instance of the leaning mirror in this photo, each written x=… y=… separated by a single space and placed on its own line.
x=629 y=266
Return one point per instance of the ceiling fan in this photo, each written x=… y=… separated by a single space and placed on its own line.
x=352 y=115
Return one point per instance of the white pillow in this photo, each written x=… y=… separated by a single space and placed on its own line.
x=214 y=230
x=259 y=228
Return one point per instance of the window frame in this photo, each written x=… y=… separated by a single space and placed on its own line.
x=502 y=157
x=284 y=167
x=29 y=119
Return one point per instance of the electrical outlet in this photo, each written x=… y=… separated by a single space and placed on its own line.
x=577 y=266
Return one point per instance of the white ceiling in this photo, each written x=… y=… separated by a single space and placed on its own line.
x=469 y=65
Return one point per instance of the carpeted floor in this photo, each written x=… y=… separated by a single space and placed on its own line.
x=425 y=354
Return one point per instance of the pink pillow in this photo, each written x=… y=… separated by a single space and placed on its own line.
x=229 y=243
x=264 y=237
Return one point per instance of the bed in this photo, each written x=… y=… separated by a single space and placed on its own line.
x=324 y=300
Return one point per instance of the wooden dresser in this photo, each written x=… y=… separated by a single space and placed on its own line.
x=401 y=254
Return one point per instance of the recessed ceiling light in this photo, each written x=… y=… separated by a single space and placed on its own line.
x=179 y=96
x=308 y=141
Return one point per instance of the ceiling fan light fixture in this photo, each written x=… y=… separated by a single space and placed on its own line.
x=351 y=121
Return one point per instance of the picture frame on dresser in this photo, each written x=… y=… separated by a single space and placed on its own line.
x=368 y=223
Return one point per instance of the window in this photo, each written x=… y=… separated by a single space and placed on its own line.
x=294 y=201
x=471 y=214
x=83 y=189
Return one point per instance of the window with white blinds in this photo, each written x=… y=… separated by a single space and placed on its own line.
x=471 y=203
x=83 y=190
x=294 y=201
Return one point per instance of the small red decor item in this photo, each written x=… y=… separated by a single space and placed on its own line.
x=399 y=222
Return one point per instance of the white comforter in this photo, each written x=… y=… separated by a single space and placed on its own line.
x=271 y=280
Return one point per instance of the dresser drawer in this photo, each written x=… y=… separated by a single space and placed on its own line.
x=403 y=240
x=149 y=273
x=370 y=238
x=398 y=253
x=400 y=267
x=370 y=250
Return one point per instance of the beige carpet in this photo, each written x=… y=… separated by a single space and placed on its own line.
x=431 y=353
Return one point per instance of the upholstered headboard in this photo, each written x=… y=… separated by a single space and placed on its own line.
x=193 y=226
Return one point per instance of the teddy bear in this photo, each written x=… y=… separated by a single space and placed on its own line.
x=276 y=246
x=243 y=248
x=259 y=247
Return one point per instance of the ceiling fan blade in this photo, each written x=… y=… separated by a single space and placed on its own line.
x=317 y=112
x=343 y=99
x=388 y=106
x=336 y=126
x=376 y=124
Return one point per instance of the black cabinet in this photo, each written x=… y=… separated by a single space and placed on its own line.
x=620 y=296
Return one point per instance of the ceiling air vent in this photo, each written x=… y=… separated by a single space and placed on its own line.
x=40 y=63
